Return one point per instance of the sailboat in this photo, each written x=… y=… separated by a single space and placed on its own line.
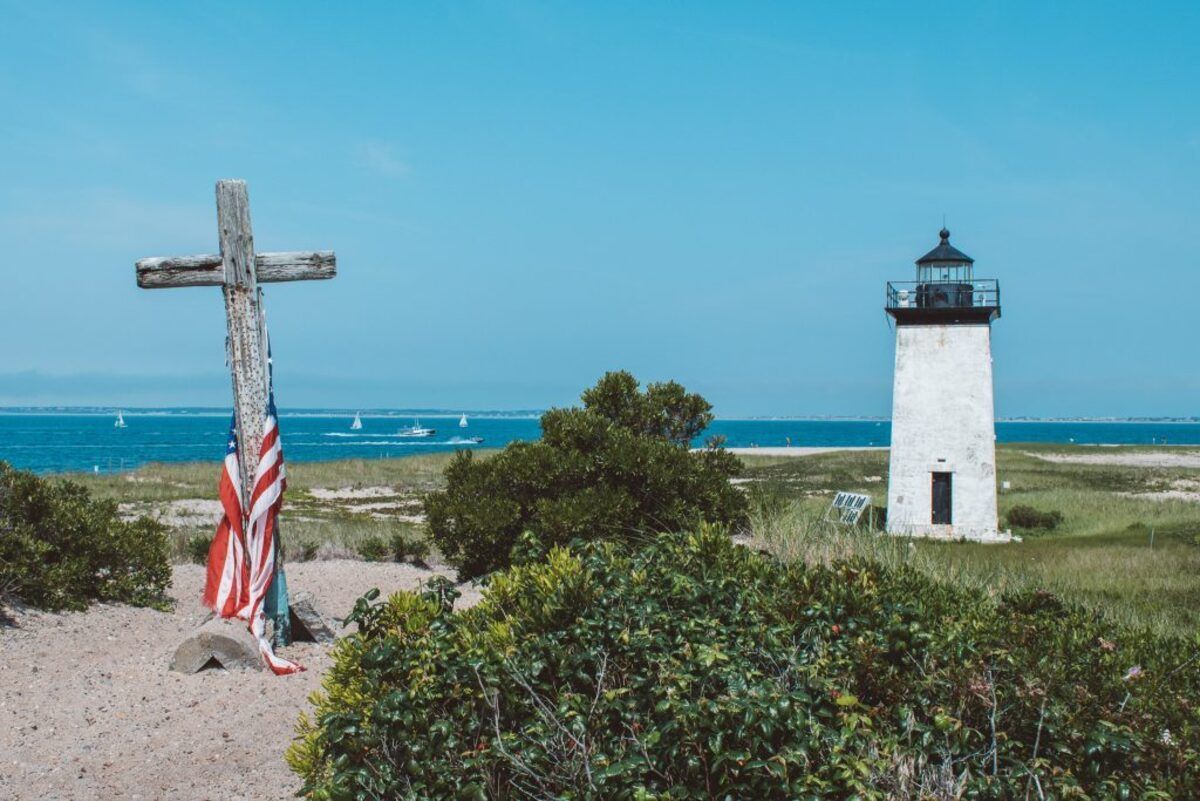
x=357 y=424
x=463 y=422
x=120 y=421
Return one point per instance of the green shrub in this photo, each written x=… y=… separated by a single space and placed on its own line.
x=402 y=546
x=405 y=546
x=61 y=549
x=1030 y=519
x=620 y=467
x=197 y=548
x=692 y=668
x=373 y=549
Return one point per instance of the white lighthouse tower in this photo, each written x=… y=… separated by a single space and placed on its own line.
x=942 y=475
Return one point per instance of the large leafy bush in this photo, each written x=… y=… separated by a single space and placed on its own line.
x=620 y=467
x=62 y=549
x=693 y=668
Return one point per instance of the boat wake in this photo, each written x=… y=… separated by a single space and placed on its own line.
x=391 y=443
x=374 y=435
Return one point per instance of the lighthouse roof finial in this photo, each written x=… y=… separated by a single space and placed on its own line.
x=945 y=253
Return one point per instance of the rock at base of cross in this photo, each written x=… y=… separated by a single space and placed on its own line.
x=218 y=643
x=307 y=623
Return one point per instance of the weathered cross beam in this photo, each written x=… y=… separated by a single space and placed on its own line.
x=165 y=272
x=239 y=271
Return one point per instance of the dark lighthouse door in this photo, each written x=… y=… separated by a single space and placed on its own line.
x=941 y=499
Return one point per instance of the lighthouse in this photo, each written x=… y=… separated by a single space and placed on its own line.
x=942 y=471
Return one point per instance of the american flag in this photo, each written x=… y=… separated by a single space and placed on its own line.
x=241 y=560
x=225 y=589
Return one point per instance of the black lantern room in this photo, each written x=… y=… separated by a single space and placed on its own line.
x=946 y=290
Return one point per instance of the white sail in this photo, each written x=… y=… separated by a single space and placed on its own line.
x=120 y=421
x=463 y=422
x=357 y=424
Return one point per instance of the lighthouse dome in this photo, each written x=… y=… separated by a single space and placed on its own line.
x=945 y=253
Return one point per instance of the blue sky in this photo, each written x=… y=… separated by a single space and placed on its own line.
x=524 y=195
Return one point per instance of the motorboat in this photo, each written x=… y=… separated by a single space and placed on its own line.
x=416 y=430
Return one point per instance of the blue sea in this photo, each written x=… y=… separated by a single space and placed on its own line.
x=89 y=442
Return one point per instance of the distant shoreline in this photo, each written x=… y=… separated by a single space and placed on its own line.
x=347 y=413
x=521 y=414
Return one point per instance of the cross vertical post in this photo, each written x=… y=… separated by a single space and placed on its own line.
x=244 y=320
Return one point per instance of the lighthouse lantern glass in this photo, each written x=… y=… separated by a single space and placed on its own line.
x=944 y=273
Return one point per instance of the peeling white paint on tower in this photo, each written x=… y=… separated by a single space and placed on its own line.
x=942 y=472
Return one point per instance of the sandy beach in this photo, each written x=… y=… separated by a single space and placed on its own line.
x=1166 y=458
x=797 y=451
x=89 y=710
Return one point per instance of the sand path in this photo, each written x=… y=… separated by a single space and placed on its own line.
x=1126 y=458
x=88 y=709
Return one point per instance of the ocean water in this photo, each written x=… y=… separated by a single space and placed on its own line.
x=89 y=442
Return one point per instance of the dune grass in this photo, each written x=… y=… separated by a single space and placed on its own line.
x=163 y=481
x=1136 y=559
x=312 y=526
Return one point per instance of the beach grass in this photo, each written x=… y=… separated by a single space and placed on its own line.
x=1132 y=557
x=1118 y=550
x=166 y=481
x=332 y=508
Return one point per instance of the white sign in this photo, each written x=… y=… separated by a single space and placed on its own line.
x=848 y=507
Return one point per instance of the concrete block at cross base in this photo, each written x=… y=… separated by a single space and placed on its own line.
x=307 y=622
x=227 y=643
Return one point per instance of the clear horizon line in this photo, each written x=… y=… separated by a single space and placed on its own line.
x=534 y=413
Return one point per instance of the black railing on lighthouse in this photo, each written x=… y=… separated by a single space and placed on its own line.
x=983 y=293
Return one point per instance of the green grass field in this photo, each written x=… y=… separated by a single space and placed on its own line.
x=372 y=500
x=1137 y=559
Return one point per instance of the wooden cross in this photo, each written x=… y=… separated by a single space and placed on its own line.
x=238 y=270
